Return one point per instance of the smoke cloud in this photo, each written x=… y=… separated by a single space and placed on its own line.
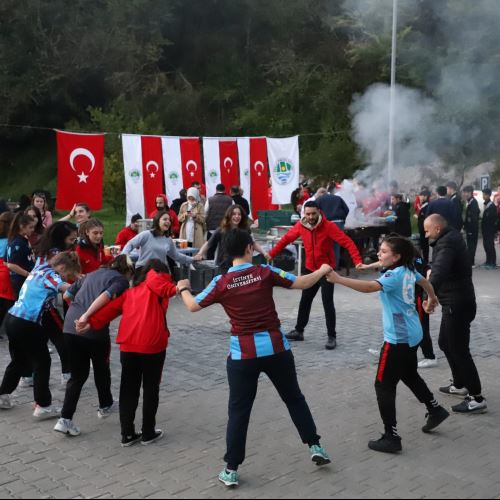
x=451 y=123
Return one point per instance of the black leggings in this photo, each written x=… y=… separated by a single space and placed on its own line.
x=137 y=370
x=28 y=347
x=82 y=352
x=52 y=325
x=398 y=363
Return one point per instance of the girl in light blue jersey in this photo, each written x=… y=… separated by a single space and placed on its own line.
x=27 y=336
x=402 y=336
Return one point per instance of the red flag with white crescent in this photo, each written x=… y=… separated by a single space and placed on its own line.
x=80 y=165
x=152 y=171
x=191 y=161
x=259 y=175
x=229 y=164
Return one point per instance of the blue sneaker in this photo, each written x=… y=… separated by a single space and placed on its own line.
x=229 y=479
x=319 y=456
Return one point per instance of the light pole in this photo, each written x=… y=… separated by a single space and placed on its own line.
x=392 y=105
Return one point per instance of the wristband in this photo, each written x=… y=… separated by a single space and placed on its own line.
x=184 y=290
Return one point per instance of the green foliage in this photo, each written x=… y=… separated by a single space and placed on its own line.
x=219 y=67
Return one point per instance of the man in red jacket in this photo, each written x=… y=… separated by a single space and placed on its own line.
x=318 y=235
x=128 y=233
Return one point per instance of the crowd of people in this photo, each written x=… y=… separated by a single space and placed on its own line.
x=42 y=259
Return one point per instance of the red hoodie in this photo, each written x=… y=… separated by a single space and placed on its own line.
x=318 y=243
x=143 y=327
x=91 y=259
x=6 y=292
x=176 y=226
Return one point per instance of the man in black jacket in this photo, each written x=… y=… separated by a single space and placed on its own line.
x=452 y=279
x=472 y=216
x=489 y=227
x=454 y=196
x=401 y=210
x=444 y=206
x=237 y=196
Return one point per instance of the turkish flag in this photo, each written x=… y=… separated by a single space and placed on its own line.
x=152 y=171
x=80 y=165
x=229 y=164
x=259 y=175
x=191 y=162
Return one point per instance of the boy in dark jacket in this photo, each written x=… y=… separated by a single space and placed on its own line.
x=472 y=217
x=489 y=227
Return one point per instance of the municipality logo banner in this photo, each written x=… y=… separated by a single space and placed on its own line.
x=284 y=161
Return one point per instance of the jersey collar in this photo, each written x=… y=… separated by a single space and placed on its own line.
x=241 y=267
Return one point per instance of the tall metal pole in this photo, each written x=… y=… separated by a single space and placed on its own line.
x=392 y=110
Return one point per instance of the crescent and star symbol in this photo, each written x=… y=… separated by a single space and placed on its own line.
x=82 y=178
x=194 y=164
x=230 y=162
x=155 y=165
x=259 y=164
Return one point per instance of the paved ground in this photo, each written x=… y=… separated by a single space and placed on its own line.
x=460 y=461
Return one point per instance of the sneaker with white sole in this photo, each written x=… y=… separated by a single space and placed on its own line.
x=148 y=441
x=46 y=413
x=451 y=390
x=374 y=352
x=5 y=402
x=319 y=456
x=471 y=406
x=231 y=479
x=68 y=427
x=428 y=363
x=25 y=383
x=103 y=413
x=65 y=378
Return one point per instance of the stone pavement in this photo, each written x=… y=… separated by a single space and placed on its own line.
x=462 y=460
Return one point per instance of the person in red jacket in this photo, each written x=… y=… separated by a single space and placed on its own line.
x=90 y=249
x=128 y=233
x=143 y=339
x=162 y=206
x=7 y=297
x=318 y=235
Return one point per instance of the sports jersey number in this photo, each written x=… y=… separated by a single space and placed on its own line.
x=409 y=289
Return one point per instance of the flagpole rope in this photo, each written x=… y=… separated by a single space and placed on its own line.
x=52 y=129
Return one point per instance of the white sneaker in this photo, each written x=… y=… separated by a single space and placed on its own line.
x=67 y=427
x=374 y=353
x=46 y=413
x=428 y=363
x=5 y=402
x=25 y=383
x=65 y=378
x=103 y=413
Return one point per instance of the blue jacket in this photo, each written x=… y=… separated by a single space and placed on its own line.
x=334 y=207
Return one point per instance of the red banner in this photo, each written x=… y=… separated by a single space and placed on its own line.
x=229 y=164
x=80 y=164
x=259 y=175
x=152 y=171
x=192 y=170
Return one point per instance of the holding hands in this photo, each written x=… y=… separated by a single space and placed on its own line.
x=431 y=304
x=82 y=325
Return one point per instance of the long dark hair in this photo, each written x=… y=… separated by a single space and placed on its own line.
x=403 y=247
x=53 y=240
x=151 y=265
x=39 y=229
x=226 y=225
x=121 y=264
x=156 y=224
x=5 y=222
x=19 y=221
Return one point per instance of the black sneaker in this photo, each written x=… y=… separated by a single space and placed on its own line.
x=157 y=436
x=128 y=441
x=435 y=418
x=331 y=344
x=295 y=336
x=471 y=406
x=386 y=444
